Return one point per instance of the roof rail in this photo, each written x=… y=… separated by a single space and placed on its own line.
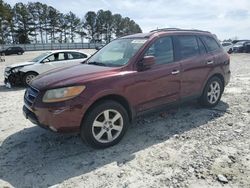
x=177 y=29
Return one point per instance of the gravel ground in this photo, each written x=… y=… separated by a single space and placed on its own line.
x=187 y=146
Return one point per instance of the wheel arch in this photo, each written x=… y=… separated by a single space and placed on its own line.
x=218 y=75
x=113 y=97
x=28 y=72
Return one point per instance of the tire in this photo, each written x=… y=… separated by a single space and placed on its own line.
x=212 y=92
x=19 y=53
x=28 y=77
x=99 y=128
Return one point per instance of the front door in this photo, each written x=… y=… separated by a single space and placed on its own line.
x=161 y=83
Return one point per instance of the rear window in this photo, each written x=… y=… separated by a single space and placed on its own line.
x=211 y=43
x=187 y=46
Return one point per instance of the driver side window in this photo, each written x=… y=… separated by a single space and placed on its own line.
x=162 y=50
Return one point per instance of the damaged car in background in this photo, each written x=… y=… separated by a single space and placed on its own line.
x=23 y=73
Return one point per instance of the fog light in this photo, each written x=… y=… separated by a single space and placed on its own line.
x=53 y=128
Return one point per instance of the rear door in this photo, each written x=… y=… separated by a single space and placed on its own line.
x=161 y=83
x=215 y=49
x=195 y=63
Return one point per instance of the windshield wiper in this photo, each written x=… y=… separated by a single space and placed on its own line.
x=96 y=63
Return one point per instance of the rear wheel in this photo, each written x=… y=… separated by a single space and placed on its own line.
x=105 y=124
x=19 y=53
x=212 y=92
x=28 y=77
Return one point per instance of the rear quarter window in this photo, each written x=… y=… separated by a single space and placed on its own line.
x=211 y=43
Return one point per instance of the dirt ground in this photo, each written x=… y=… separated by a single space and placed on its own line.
x=187 y=146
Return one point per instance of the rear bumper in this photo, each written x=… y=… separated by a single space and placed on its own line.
x=227 y=77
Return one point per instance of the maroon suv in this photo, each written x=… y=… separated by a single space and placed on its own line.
x=128 y=76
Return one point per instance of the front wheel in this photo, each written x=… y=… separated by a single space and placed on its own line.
x=105 y=124
x=28 y=77
x=212 y=92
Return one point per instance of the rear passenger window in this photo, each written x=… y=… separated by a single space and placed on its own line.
x=76 y=55
x=211 y=43
x=201 y=46
x=188 y=46
x=162 y=50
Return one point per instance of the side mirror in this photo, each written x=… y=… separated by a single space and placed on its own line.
x=146 y=63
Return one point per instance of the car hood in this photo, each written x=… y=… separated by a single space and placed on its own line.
x=78 y=74
x=21 y=64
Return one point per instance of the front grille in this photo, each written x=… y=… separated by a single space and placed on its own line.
x=30 y=96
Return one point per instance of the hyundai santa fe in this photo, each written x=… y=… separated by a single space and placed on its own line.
x=131 y=75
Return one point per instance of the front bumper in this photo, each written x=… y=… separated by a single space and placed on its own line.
x=60 y=117
x=28 y=114
x=12 y=78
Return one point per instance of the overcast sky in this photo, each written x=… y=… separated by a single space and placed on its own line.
x=225 y=18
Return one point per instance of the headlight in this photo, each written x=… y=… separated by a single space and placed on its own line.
x=62 y=94
x=7 y=69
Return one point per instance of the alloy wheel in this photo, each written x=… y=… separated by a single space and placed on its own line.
x=213 y=93
x=29 y=78
x=107 y=126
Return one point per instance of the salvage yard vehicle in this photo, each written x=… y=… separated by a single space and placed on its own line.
x=127 y=77
x=12 y=50
x=228 y=47
x=23 y=73
x=241 y=47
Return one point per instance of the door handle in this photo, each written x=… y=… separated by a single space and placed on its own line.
x=210 y=62
x=175 y=72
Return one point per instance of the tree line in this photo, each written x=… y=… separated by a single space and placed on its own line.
x=36 y=22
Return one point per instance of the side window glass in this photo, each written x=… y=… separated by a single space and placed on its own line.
x=211 y=43
x=188 y=46
x=57 y=57
x=76 y=55
x=162 y=50
x=201 y=46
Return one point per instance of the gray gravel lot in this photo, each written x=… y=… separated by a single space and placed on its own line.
x=186 y=146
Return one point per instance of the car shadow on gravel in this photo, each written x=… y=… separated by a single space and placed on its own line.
x=3 y=88
x=34 y=157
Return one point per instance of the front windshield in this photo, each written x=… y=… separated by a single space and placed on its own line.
x=40 y=57
x=117 y=53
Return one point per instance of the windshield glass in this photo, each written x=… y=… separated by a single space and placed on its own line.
x=40 y=57
x=117 y=53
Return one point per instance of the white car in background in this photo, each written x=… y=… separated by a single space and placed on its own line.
x=228 y=47
x=23 y=73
